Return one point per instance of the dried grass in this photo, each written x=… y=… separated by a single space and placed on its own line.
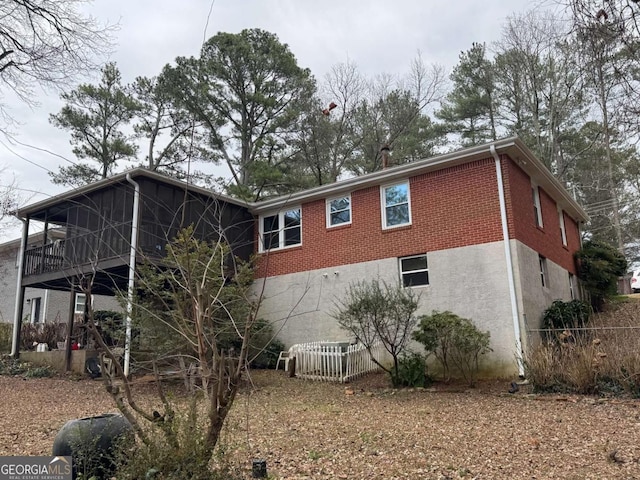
x=603 y=359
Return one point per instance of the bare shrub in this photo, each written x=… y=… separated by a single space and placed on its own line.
x=603 y=359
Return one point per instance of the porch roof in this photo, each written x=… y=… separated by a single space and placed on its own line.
x=55 y=209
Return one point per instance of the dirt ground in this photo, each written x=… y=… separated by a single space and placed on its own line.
x=364 y=430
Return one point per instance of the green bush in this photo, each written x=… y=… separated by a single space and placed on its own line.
x=412 y=371
x=15 y=367
x=599 y=266
x=566 y=315
x=183 y=457
x=454 y=341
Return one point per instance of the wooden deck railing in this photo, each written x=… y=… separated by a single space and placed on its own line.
x=44 y=258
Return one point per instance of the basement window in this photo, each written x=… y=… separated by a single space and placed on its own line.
x=544 y=274
x=281 y=230
x=414 y=271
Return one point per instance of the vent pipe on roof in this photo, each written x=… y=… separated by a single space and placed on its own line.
x=384 y=153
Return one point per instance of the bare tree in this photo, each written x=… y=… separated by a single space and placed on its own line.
x=46 y=43
x=377 y=312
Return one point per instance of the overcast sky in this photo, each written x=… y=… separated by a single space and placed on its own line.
x=377 y=35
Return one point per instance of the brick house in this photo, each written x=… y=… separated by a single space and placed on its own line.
x=485 y=232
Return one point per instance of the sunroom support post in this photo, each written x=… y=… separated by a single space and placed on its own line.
x=72 y=311
x=45 y=232
x=19 y=306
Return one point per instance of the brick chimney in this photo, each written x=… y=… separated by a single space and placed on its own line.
x=384 y=153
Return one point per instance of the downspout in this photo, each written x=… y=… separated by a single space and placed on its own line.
x=17 y=314
x=507 y=252
x=132 y=271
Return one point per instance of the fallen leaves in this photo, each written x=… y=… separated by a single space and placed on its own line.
x=366 y=430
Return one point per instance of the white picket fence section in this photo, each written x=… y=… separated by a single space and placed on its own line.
x=335 y=361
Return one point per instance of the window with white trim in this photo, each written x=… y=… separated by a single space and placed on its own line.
x=396 y=205
x=563 y=231
x=338 y=211
x=537 y=210
x=281 y=230
x=572 y=292
x=414 y=271
x=81 y=301
x=35 y=310
x=544 y=275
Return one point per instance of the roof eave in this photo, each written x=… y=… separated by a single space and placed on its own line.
x=136 y=172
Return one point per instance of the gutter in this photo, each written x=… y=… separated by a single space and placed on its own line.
x=507 y=253
x=132 y=271
x=17 y=321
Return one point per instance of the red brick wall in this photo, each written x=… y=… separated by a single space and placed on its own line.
x=450 y=208
x=546 y=240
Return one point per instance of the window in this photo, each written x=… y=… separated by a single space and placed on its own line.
x=563 y=231
x=281 y=230
x=81 y=300
x=339 y=211
x=537 y=210
x=544 y=276
x=414 y=271
x=35 y=310
x=396 y=209
x=572 y=292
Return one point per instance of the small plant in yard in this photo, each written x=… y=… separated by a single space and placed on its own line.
x=454 y=341
x=6 y=329
x=16 y=367
x=412 y=371
x=377 y=312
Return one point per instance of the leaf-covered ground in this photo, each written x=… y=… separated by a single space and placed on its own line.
x=365 y=430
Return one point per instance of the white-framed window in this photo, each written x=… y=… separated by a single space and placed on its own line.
x=537 y=209
x=563 y=231
x=544 y=275
x=572 y=291
x=35 y=313
x=396 y=205
x=81 y=301
x=338 y=211
x=414 y=271
x=281 y=230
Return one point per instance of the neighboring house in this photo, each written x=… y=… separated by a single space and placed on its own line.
x=438 y=226
x=40 y=304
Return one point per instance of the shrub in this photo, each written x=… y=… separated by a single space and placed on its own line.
x=6 y=332
x=264 y=349
x=603 y=361
x=15 y=367
x=599 y=266
x=454 y=341
x=566 y=315
x=412 y=371
x=49 y=332
x=186 y=457
x=373 y=312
